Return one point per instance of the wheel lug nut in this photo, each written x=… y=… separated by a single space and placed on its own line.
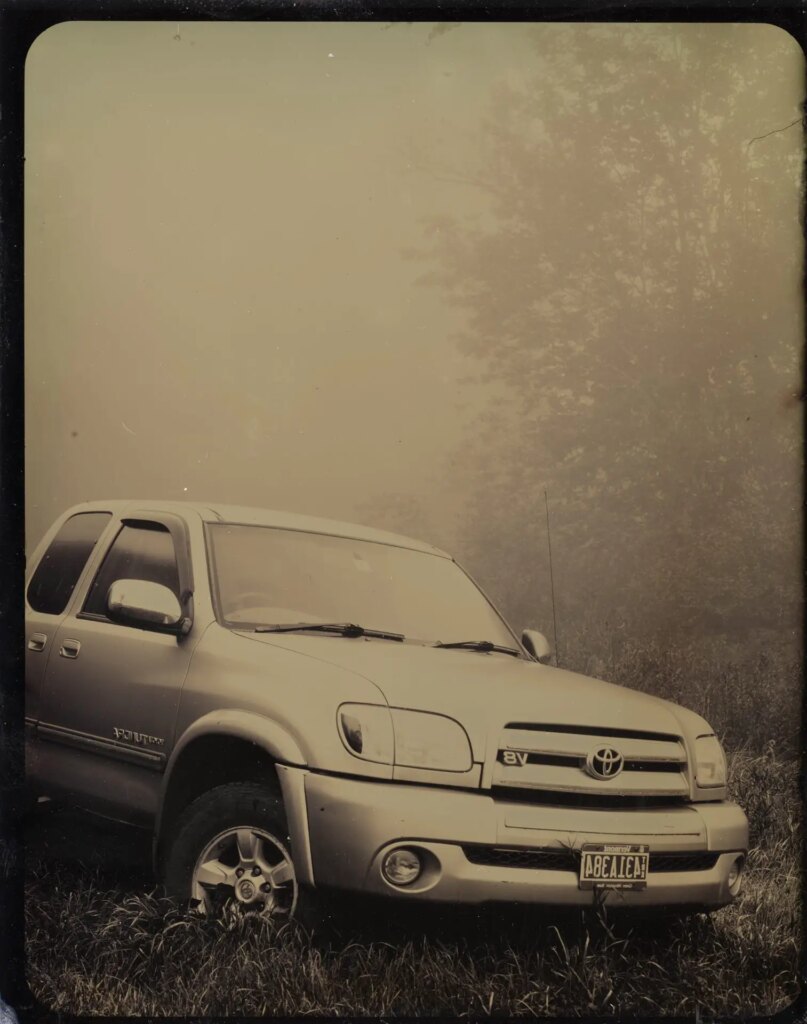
x=239 y=872
x=256 y=870
x=266 y=887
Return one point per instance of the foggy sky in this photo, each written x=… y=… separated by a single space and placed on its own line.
x=219 y=304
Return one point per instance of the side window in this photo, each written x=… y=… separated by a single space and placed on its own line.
x=142 y=552
x=57 y=574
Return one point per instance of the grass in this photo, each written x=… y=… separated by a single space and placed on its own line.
x=98 y=942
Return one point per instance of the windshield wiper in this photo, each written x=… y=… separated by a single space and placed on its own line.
x=339 y=628
x=482 y=645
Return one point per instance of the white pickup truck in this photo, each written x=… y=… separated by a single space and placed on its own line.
x=295 y=705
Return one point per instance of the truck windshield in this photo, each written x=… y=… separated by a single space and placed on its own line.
x=266 y=576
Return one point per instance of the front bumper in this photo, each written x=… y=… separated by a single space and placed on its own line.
x=350 y=825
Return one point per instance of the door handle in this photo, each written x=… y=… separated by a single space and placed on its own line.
x=70 y=649
x=37 y=641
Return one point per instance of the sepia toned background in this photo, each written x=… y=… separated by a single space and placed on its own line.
x=466 y=282
x=416 y=275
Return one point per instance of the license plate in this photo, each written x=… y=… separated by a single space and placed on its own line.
x=622 y=866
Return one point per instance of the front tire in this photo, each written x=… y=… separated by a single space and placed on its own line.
x=231 y=845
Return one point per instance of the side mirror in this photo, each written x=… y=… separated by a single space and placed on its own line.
x=145 y=604
x=537 y=644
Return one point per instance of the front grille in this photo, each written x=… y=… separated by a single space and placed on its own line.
x=562 y=759
x=569 y=860
x=591 y=800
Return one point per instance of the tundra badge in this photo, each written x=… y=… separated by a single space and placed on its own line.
x=130 y=736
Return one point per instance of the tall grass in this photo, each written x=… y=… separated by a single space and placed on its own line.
x=95 y=948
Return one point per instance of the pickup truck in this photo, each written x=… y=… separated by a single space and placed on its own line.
x=295 y=706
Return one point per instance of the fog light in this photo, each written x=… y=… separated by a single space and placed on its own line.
x=401 y=866
x=735 y=878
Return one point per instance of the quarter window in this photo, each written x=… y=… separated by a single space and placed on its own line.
x=57 y=574
x=142 y=552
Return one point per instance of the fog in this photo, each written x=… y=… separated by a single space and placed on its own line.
x=436 y=278
x=218 y=302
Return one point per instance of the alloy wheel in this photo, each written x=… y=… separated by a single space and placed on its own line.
x=251 y=868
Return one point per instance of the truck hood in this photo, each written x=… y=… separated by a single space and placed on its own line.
x=484 y=692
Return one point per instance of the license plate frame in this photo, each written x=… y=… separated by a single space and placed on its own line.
x=623 y=866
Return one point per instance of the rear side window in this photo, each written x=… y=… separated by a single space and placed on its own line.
x=142 y=552
x=58 y=572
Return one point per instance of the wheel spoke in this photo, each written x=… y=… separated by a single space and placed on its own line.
x=212 y=872
x=281 y=873
x=247 y=843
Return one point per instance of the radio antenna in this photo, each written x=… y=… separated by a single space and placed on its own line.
x=551 y=580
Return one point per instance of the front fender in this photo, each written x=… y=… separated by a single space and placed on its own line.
x=236 y=724
x=244 y=725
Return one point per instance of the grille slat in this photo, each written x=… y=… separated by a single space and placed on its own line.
x=594 y=730
x=573 y=761
x=568 y=860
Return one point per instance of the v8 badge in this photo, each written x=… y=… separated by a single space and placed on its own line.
x=515 y=758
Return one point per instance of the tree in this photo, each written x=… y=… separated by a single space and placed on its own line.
x=634 y=303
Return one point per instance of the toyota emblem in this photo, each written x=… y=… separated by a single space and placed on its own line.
x=605 y=763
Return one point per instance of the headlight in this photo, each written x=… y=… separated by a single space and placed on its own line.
x=367 y=731
x=411 y=739
x=430 y=741
x=710 y=762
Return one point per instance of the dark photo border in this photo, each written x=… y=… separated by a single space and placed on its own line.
x=21 y=21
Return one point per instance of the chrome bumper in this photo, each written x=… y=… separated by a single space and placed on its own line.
x=350 y=824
